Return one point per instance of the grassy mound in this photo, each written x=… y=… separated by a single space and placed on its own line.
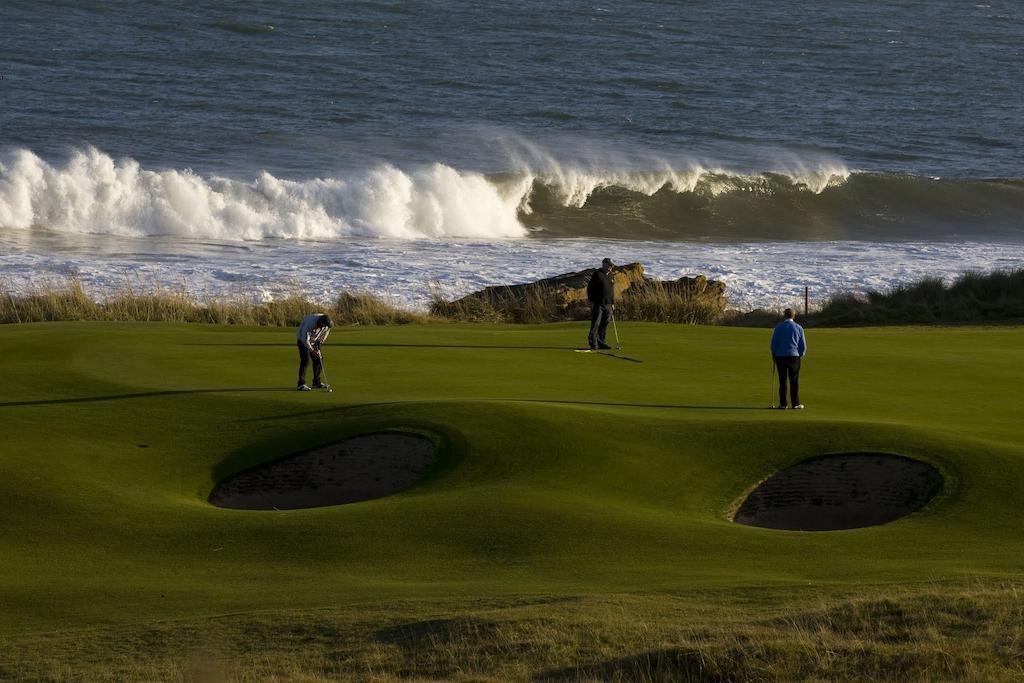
x=565 y=479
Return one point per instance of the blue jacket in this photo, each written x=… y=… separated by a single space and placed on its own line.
x=788 y=339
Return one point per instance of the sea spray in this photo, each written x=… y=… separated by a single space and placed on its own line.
x=594 y=167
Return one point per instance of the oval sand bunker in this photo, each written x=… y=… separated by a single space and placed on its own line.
x=360 y=468
x=844 y=491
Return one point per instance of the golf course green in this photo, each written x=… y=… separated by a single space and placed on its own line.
x=560 y=475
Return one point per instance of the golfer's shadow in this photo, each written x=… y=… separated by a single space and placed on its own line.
x=606 y=354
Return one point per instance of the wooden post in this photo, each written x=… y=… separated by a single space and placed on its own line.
x=807 y=300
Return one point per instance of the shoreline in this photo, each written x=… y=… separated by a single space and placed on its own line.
x=972 y=298
x=757 y=274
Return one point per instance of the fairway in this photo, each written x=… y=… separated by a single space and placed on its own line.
x=558 y=474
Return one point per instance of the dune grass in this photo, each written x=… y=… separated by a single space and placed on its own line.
x=970 y=299
x=577 y=528
x=67 y=300
x=659 y=302
x=655 y=301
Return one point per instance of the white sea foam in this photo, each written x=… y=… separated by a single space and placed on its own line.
x=757 y=273
x=94 y=193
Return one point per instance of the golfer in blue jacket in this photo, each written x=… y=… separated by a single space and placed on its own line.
x=788 y=346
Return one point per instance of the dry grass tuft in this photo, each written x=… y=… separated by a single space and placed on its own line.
x=658 y=302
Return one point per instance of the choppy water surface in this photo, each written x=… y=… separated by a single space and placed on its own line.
x=391 y=142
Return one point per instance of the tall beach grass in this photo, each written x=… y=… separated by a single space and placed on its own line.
x=970 y=299
x=69 y=300
x=653 y=302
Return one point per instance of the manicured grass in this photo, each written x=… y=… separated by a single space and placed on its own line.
x=564 y=474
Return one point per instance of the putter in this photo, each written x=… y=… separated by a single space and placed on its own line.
x=771 y=385
x=615 y=328
x=323 y=373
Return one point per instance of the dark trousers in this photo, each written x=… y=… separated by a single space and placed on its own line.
x=304 y=357
x=600 y=314
x=789 y=369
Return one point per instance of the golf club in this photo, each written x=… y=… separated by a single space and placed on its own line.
x=615 y=328
x=323 y=372
x=771 y=385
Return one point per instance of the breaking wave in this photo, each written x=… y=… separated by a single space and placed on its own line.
x=94 y=193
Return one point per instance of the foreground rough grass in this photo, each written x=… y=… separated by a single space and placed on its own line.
x=922 y=633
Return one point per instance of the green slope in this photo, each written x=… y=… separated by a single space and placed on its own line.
x=563 y=473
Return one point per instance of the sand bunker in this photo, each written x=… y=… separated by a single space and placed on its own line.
x=843 y=491
x=360 y=468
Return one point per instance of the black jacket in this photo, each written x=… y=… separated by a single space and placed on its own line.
x=601 y=289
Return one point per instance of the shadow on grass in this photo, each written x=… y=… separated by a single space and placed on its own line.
x=397 y=346
x=620 y=357
x=599 y=404
x=662 y=665
x=354 y=406
x=609 y=404
x=144 y=394
x=418 y=636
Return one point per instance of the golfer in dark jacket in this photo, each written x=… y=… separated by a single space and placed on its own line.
x=788 y=347
x=601 y=294
x=311 y=335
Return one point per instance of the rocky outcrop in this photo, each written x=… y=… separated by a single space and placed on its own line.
x=562 y=291
x=564 y=297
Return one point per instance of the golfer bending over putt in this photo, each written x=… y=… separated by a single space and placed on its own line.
x=788 y=347
x=601 y=294
x=312 y=334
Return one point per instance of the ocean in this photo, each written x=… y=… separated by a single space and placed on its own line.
x=402 y=147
